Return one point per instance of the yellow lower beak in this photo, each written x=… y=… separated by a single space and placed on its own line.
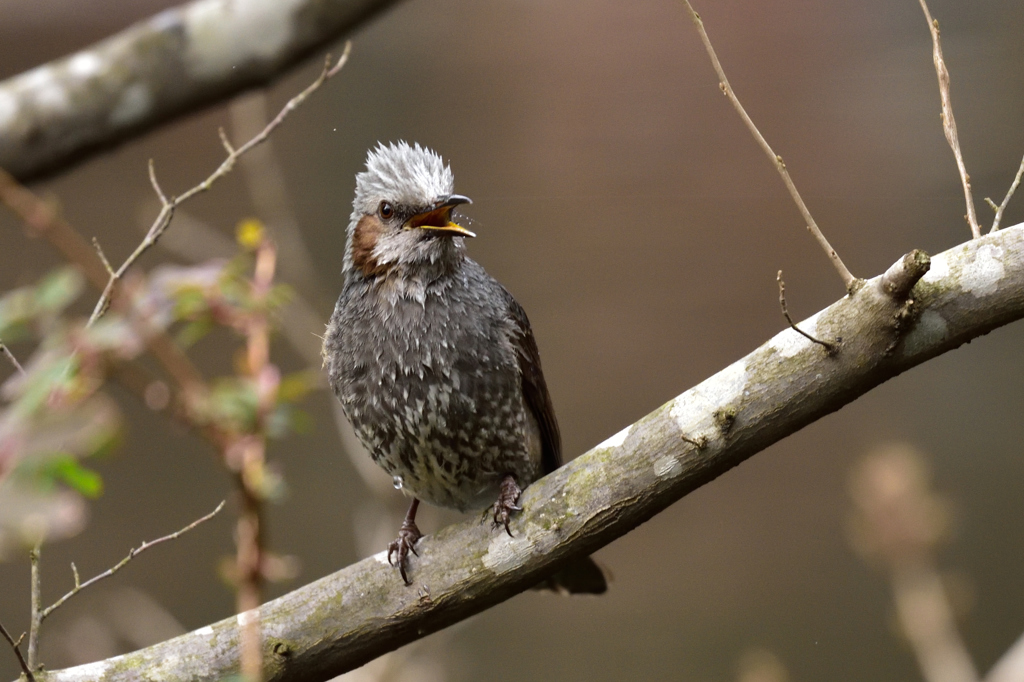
x=439 y=219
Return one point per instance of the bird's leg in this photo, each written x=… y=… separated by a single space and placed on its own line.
x=506 y=503
x=408 y=536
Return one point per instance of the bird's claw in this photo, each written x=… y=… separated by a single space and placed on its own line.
x=408 y=536
x=506 y=503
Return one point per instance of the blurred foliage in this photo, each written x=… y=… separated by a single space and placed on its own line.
x=54 y=416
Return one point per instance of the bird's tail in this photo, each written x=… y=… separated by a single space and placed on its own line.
x=581 y=576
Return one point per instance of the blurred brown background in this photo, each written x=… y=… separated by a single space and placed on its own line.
x=619 y=197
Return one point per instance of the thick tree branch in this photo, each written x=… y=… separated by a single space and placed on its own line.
x=176 y=62
x=346 y=619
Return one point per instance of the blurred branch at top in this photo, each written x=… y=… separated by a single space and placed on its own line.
x=175 y=63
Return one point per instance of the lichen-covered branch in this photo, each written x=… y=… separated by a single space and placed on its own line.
x=176 y=62
x=346 y=619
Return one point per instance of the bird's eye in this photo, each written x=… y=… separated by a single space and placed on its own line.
x=386 y=210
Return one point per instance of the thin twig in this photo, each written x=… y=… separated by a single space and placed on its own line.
x=948 y=122
x=1006 y=200
x=10 y=357
x=103 y=256
x=79 y=586
x=163 y=219
x=156 y=185
x=830 y=348
x=35 y=590
x=16 y=645
x=849 y=281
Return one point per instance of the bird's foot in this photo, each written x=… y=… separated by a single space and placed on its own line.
x=506 y=504
x=408 y=536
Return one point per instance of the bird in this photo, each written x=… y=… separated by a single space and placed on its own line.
x=434 y=362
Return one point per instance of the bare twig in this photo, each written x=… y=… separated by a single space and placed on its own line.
x=830 y=348
x=156 y=185
x=163 y=219
x=36 y=595
x=1006 y=200
x=16 y=645
x=10 y=357
x=102 y=256
x=849 y=281
x=79 y=586
x=948 y=122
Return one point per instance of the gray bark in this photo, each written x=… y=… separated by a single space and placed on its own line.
x=888 y=325
x=176 y=62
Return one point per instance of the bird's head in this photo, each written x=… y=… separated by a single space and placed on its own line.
x=402 y=213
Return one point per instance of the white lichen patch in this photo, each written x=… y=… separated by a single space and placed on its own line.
x=204 y=631
x=981 y=275
x=89 y=671
x=694 y=409
x=505 y=553
x=382 y=557
x=929 y=330
x=616 y=440
x=132 y=105
x=42 y=86
x=667 y=467
x=939 y=269
x=223 y=34
x=85 y=65
x=166 y=667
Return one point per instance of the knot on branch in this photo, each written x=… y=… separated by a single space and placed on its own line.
x=900 y=278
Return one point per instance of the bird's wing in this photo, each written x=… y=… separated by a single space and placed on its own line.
x=535 y=389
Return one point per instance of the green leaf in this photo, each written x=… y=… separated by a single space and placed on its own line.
x=67 y=470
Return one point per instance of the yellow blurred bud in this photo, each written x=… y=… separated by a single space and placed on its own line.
x=249 y=233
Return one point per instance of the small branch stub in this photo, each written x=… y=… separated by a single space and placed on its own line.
x=830 y=348
x=900 y=278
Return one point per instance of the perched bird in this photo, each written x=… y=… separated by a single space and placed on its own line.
x=434 y=362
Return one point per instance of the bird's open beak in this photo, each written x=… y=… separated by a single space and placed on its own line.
x=439 y=218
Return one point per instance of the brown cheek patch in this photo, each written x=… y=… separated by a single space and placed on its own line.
x=364 y=240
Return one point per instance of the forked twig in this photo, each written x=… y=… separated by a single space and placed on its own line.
x=1006 y=200
x=830 y=348
x=16 y=645
x=39 y=614
x=948 y=122
x=79 y=586
x=849 y=281
x=163 y=219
